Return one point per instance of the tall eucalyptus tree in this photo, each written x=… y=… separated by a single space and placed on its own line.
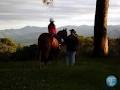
x=100 y=28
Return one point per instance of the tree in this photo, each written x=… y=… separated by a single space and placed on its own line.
x=100 y=28
x=48 y=2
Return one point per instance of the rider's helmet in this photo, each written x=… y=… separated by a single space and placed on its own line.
x=51 y=20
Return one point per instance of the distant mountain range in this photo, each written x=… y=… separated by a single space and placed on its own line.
x=29 y=34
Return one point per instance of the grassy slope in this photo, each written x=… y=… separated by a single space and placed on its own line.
x=87 y=74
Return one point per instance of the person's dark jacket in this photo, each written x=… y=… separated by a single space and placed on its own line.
x=72 y=42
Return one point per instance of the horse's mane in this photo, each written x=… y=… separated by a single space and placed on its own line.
x=62 y=33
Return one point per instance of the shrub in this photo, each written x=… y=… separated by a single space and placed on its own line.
x=25 y=53
x=86 y=46
x=7 y=47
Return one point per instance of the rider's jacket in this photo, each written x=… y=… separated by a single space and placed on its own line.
x=52 y=29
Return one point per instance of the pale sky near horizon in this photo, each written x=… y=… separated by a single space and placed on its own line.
x=20 y=13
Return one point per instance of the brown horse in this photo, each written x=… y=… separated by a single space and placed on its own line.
x=48 y=46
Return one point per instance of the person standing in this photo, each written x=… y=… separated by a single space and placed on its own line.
x=72 y=43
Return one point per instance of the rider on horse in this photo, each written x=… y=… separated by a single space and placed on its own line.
x=53 y=31
x=52 y=28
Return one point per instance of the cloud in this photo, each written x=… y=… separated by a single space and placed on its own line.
x=77 y=11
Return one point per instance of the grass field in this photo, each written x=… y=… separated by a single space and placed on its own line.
x=87 y=74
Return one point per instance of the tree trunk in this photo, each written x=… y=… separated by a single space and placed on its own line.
x=100 y=28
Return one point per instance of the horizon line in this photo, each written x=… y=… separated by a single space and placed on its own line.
x=57 y=27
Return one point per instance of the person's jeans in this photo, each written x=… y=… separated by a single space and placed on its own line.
x=71 y=57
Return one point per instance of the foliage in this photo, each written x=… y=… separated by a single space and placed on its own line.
x=86 y=46
x=25 y=53
x=7 y=47
x=11 y=51
x=114 y=47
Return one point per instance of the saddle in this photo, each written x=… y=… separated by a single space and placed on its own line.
x=55 y=43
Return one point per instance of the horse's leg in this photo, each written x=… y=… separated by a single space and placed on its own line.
x=44 y=55
x=57 y=52
x=53 y=54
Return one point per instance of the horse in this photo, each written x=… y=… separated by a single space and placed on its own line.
x=48 y=45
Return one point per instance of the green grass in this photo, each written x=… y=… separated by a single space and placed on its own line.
x=87 y=74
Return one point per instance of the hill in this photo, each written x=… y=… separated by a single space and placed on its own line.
x=26 y=36
x=29 y=34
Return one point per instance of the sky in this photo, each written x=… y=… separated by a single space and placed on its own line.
x=21 y=13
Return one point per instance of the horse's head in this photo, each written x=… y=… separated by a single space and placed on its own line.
x=62 y=34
